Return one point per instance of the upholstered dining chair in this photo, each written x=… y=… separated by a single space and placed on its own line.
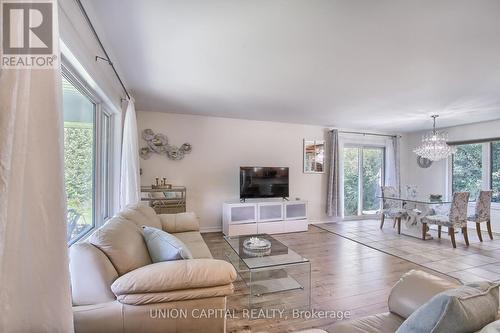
x=457 y=218
x=391 y=208
x=483 y=214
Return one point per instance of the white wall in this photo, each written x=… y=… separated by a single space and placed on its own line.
x=220 y=147
x=434 y=179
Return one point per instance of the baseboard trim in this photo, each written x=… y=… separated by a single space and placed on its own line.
x=210 y=229
x=323 y=221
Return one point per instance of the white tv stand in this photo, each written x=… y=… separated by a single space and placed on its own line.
x=264 y=216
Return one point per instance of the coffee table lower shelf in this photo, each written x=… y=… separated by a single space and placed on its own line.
x=286 y=284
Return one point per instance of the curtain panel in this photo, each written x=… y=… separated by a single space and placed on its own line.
x=333 y=186
x=34 y=274
x=129 y=175
x=392 y=163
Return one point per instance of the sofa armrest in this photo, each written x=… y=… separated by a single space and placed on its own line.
x=175 y=275
x=180 y=222
x=414 y=289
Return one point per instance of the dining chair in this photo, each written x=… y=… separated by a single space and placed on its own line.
x=483 y=213
x=391 y=208
x=411 y=191
x=457 y=218
x=411 y=194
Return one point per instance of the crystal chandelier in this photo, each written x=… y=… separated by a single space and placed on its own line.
x=434 y=146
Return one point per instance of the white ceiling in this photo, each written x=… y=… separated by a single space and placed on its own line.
x=375 y=65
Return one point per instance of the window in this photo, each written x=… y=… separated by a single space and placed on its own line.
x=363 y=177
x=79 y=152
x=373 y=167
x=476 y=167
x=495 y=170
x=467 y=169
x=87 y=158
x=351 y=181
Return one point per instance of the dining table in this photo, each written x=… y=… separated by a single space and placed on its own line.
x=417 y=207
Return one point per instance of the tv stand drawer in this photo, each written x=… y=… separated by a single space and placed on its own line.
x=242 y=229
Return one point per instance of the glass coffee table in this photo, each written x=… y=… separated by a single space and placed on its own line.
x=276 y=278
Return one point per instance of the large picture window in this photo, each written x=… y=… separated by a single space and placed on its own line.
x=467 y=169
x=495 y=170
x=87 y=156
x=476 y=167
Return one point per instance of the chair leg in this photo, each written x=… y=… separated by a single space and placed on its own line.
x=478 y=229
x=382 y=219
x=439 y=231
x=488 y=225
x=399 y=226
x=466 y=237
x=451 y=232
x=424 y=230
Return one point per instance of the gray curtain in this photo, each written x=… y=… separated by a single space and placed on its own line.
x=333 y=186
x=396 y=147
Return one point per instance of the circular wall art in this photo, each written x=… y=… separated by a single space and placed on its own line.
x=423 y=162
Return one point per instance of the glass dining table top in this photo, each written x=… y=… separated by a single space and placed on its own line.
x=420 y=199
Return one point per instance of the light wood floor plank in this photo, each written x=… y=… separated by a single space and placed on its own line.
x=345 y=276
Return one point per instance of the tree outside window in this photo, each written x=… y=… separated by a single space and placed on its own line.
x=495 y=170
x=467 y=169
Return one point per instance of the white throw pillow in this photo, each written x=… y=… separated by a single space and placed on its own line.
x=163 y=246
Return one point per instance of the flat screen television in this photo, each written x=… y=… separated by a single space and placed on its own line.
x=263 y=182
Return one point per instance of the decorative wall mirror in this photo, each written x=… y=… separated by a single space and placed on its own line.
x=314 y=156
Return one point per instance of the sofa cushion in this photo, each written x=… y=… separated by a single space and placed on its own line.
x=195 y=244
x=99 y=318
x=462 y=310
x=175 y=275
x=493 y=327
x=176 y=295
x=414 y=289
x=121 y=240
x=379 y=323
x=141 y=214
x=163 y=246
x=180 y=222
x=92 y=274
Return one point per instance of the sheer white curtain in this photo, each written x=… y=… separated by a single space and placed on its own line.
x=392 y=172
x=129 y=176
x=34 y=276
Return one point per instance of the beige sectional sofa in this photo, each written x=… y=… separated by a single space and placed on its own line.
x=116 y=287
x=413 y=290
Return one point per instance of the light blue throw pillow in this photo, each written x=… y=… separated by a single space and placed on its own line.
x=465 y=309
x=163 y=246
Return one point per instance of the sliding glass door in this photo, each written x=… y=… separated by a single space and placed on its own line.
x=363 y=177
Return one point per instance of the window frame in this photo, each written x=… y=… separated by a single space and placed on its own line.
x=103 y=202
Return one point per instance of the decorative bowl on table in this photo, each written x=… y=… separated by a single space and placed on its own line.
x=256 y=246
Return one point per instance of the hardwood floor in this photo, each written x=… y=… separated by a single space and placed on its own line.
x=478 y=261
x=345 y=276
